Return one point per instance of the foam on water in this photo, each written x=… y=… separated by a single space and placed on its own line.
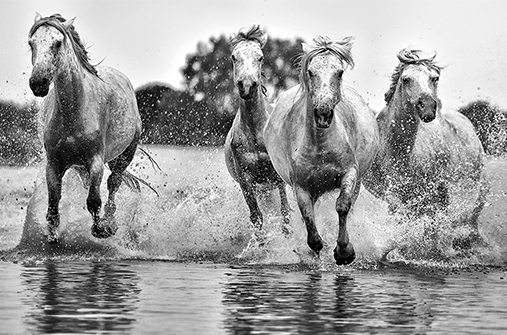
x=201 y=215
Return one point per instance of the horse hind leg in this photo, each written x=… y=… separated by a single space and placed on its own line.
x=94 y=202
x=344 y=252
x=118 y=167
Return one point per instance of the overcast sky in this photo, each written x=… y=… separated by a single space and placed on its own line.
x=149 y=39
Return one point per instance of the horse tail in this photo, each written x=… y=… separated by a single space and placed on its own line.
x=154 y=164
x=134 y=182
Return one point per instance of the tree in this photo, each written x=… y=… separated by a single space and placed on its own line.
x=202 y=113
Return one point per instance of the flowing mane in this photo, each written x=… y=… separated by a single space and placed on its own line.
x=321 y=45
x=407 y=57
x=56 y=21
x=253 y=34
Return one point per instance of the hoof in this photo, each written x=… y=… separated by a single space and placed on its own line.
x=104 y=228
x=344 y=256
x=316 y=244
x=260 y=238
x=467 y=243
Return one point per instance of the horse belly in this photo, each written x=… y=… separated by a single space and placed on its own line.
x=124 y=121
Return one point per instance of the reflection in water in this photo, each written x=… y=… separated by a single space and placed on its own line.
x=278 y=302
x=66 y=298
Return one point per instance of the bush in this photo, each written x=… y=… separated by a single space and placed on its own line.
x=19 y=140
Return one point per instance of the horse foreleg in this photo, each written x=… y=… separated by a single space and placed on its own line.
x=344 y=252
x=285 y=209
x=54 y=175
x=248 y=189
x=306 y=206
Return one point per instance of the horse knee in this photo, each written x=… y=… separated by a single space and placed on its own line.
x=343 y=206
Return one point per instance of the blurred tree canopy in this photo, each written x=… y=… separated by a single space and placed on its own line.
x=202 y=113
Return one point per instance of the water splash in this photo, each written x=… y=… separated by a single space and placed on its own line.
x=201 y=216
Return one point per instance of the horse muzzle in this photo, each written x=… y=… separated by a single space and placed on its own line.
x=323 y=117
x=39 y=86
x=427 y=108
x=247 y=89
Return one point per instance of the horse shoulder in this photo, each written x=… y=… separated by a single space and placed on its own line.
x=281 y=131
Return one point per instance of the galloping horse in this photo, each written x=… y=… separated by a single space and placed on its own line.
x=322 y=136
x=424 y=151
x=90 y=118
x=245 y=152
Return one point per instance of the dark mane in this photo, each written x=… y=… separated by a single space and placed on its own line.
x=407 y=57
x=56 y=21
x=321 y=45
x=253 y=34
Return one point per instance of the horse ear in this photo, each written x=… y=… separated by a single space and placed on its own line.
x=263 y=39
x=69 y=23
x=306 y=47
x=432 y=55
x=37 y=17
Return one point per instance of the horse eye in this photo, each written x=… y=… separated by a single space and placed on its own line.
x=58 y=45
x=405 y=80
x=233 y=58
x=261 y=59
x=310 y=73
x=434 y=81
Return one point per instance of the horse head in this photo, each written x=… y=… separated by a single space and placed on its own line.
x=322 y=68
x=54 y=44
x=417 y=82
x=247 y=58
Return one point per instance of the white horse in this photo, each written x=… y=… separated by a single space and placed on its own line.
x=245 y=151
x=424 y=151
x=90 y=118
x=322 y=136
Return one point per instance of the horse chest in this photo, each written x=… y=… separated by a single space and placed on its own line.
x=318 y=173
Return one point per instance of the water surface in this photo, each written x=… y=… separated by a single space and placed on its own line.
x=184 y=262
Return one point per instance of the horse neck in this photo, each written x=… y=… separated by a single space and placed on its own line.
x=402 y=126
x=69 y=86
x=253 y=113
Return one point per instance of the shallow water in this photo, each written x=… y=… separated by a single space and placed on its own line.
x=153 y=297
x=183 y=262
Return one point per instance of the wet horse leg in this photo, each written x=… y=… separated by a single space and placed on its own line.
x=249 y=193
x=306 y=205
x=93 y=202
x=285 y=209
x=54 y=175
x=118 y=167
x=344 y=252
